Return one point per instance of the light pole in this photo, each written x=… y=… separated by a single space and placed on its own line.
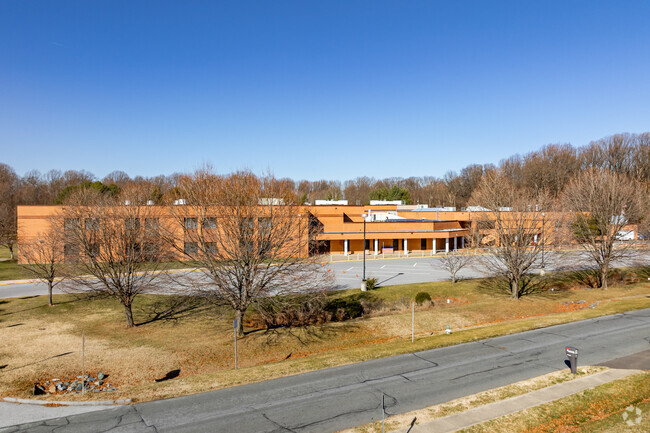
x=543 y=240
x=363 y=280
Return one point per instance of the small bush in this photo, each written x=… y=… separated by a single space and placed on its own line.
x=299 y=310
x=371 y=283
x=342 y=309
x=422 y=297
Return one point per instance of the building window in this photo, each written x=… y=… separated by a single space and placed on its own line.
x=191 y=248
x=210 y=247
x=151 y=251
x=151 y=223
x=423 y=244
x=395 y=244
x=133 y=249
x=70 y=253
x=367 y=244
x=132 y=223
x=93 y=250
x=190 y=223
x=210 y=223
x=70 y=223
x=91 y=224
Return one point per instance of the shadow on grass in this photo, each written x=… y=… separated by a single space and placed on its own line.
x=170 y=375
x=39 y=361
x=412 y=424
x=304 y=335
x=388 y=279
x=172 y=309
x=39 y=306
x=530 y=285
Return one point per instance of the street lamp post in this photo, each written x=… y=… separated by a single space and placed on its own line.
x=543 y=240
x=363 y=280
x=364 y=246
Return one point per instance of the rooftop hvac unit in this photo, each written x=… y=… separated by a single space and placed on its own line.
x=180 y=202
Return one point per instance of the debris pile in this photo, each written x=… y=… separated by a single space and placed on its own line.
x=577 y=305
x=87 y=383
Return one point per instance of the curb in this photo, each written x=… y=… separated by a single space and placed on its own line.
x=487 y=412
x=68 y=403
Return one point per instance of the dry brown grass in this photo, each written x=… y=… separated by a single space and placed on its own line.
x=41 y=342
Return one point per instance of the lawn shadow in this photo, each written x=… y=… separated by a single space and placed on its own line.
x=415 y=418
x=38 y=306
x=172 y=308
x=303 y=334
x=531 y=285
x=389 y=278
x=170 y=375
x=39 y=361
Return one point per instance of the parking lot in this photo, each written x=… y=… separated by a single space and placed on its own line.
x=393 y=271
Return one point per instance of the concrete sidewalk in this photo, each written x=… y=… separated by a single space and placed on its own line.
x=501 y=408
x=16 y=413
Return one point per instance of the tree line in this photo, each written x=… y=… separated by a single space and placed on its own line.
x=548 y=169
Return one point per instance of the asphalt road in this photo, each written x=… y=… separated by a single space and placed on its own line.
x=336 y=398
x=348 y=274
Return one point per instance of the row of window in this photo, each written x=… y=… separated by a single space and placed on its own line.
x=191 y=248
x=192 y=223
x=93 y=223
x=71 y=251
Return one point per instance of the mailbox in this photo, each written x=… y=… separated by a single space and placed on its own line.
x=572 y=354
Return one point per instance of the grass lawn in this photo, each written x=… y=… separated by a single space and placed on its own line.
x=595 y=410
x=41 y=342
x=4 y=252
x=10 y=270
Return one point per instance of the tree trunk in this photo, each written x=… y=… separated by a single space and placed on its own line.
x=240 y=322
x=11 y=251
x=129 y=316
x=514 y=289
x=453 y=278
x=49 y=294
x=603 y=277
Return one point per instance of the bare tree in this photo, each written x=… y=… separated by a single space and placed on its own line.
x=514 y=222
x=248 y=237
x=44 y=256
x=118 y=244
x=604 y=203
x=453 y=263
x=9 y=183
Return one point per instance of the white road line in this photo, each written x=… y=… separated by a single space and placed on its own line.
x=414 y=264
x=349 y=269
x=383 y=267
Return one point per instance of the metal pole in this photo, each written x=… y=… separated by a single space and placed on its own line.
x=364 y=248
x=412 y=321
x=235 y=327
x=542 y=240
x=83 y=362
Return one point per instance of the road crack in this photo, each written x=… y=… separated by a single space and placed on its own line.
x=277 y=424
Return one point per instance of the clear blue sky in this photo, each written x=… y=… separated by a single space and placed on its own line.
x=314 y=89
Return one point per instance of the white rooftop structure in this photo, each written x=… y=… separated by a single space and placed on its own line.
x=331 y=202
x=386 y=202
